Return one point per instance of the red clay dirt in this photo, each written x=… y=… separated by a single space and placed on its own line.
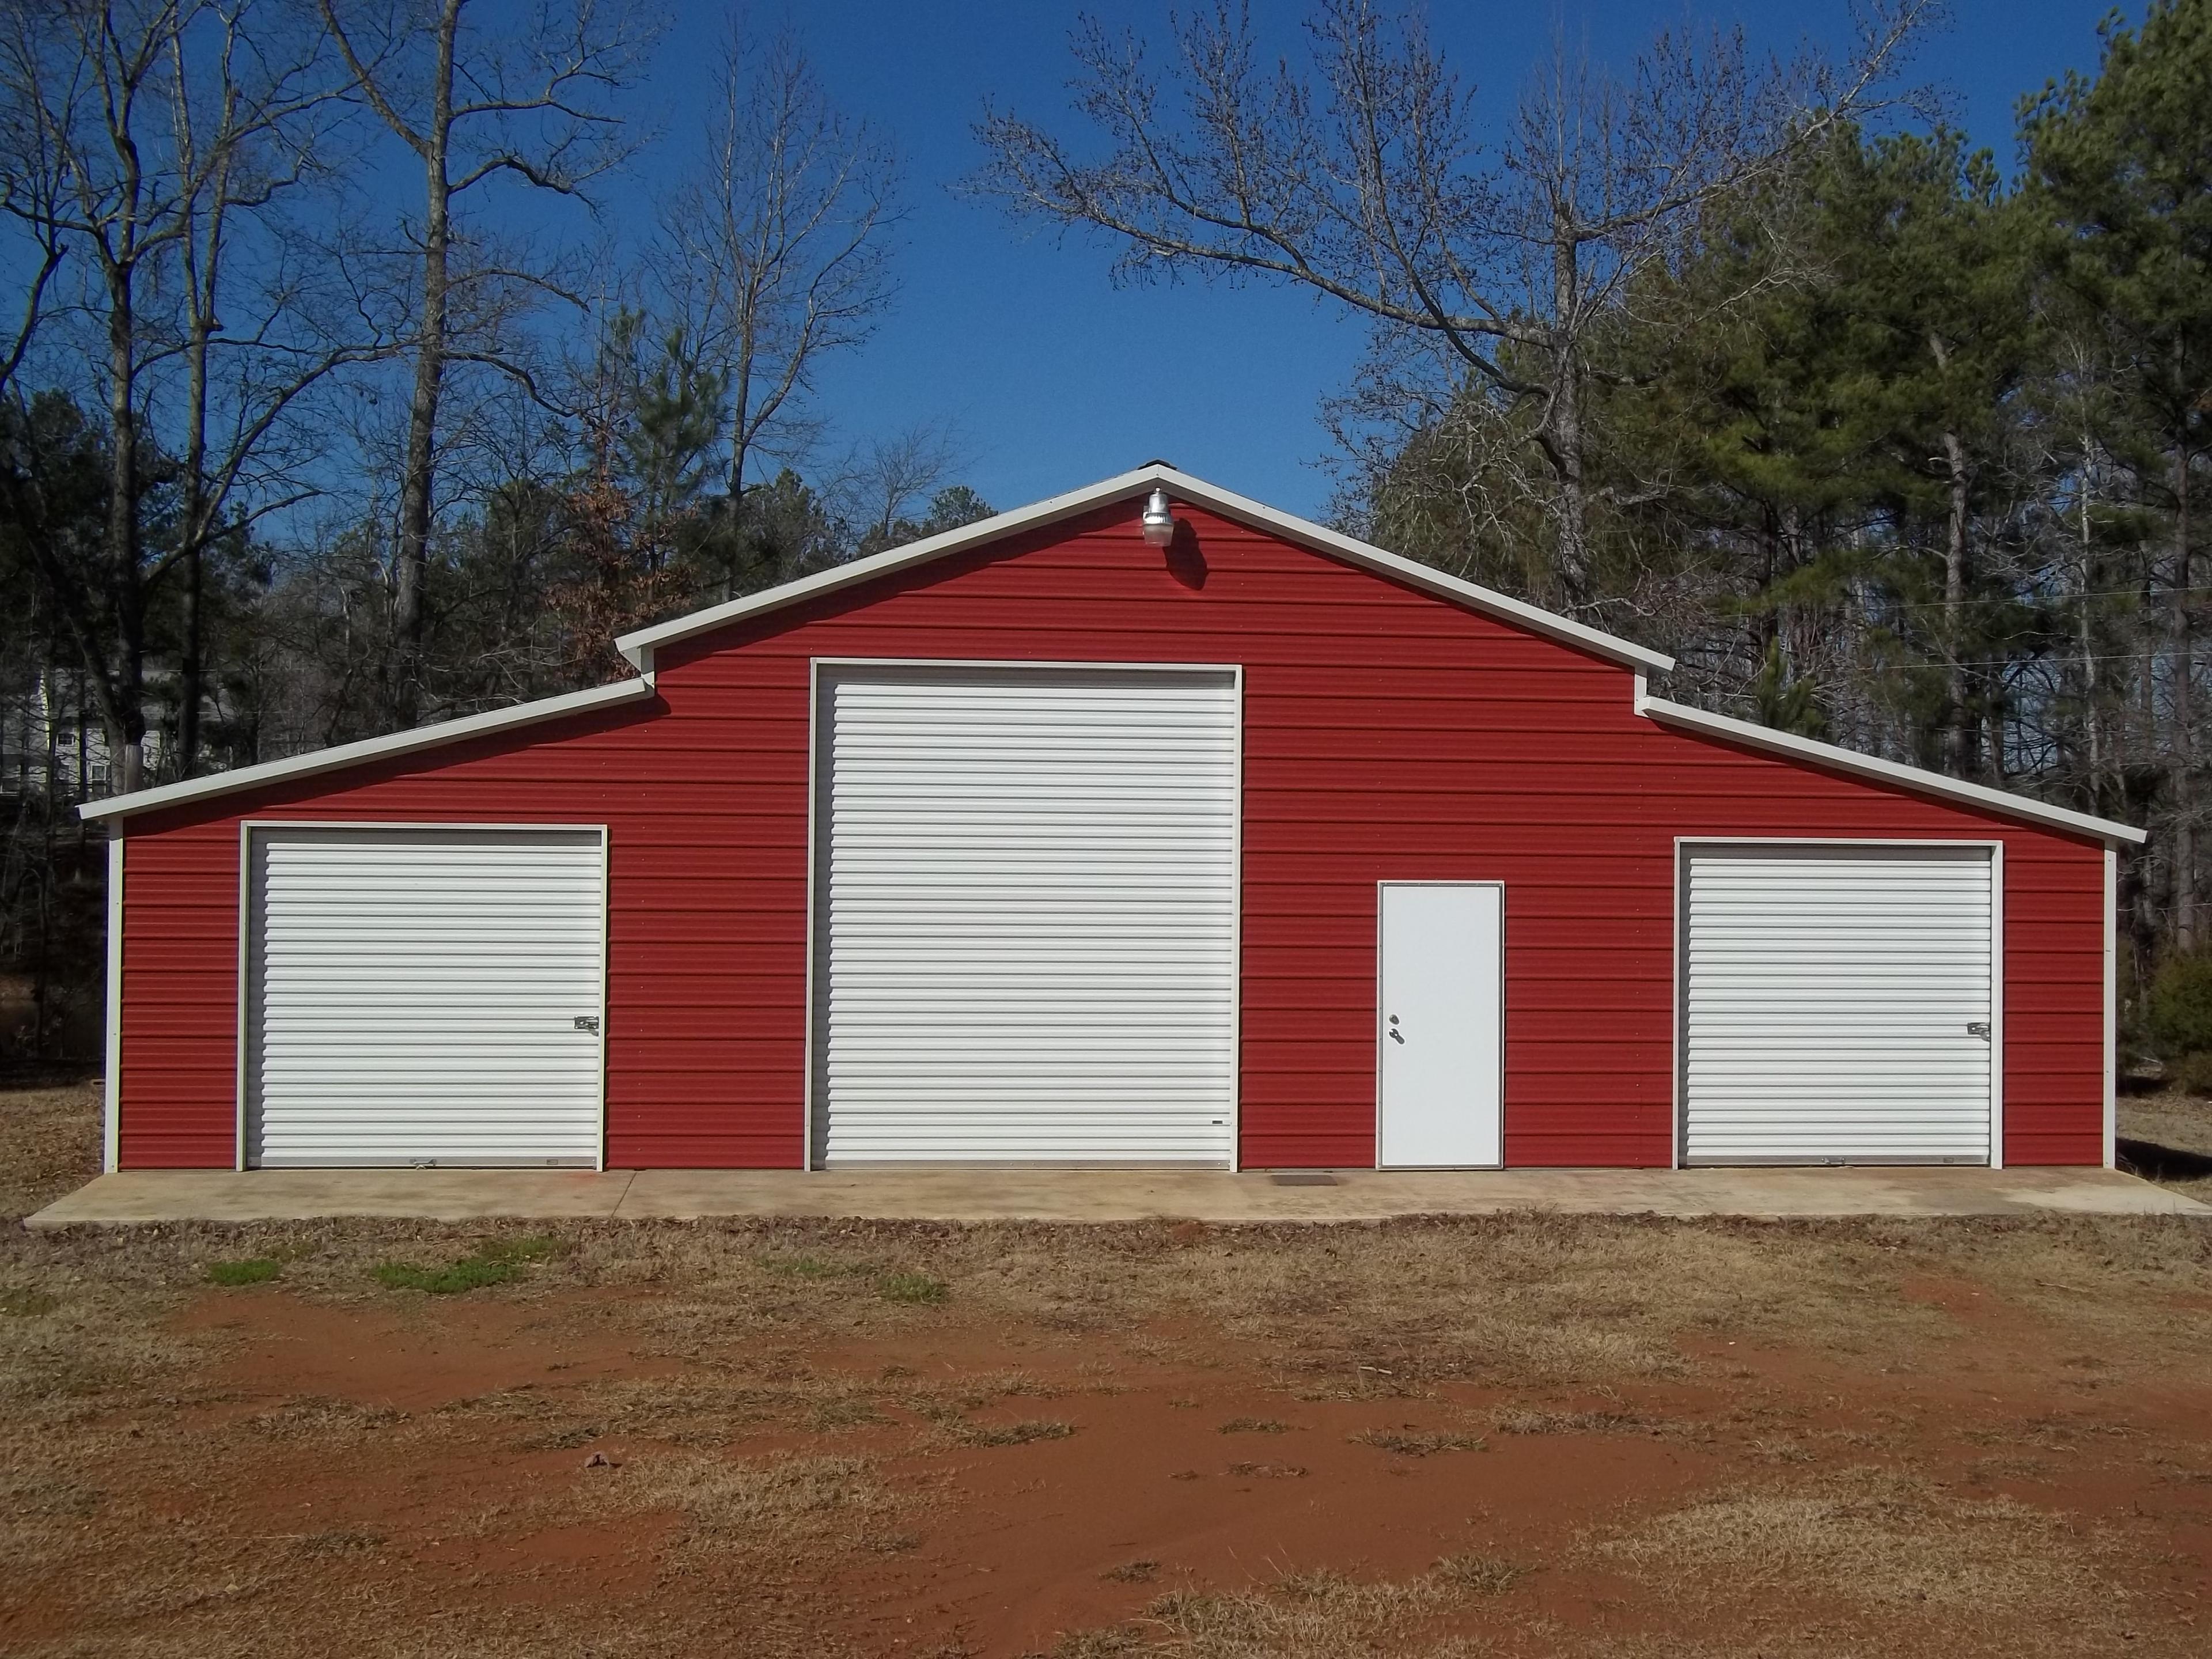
x=1016 y=1546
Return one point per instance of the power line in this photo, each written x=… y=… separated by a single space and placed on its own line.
x=2154 y=595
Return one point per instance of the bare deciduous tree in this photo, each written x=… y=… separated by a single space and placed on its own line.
x=775 y=244
x=887 y=479
x=248 y=112
x=1365 y=182
x=140 y=132
x=474 y=99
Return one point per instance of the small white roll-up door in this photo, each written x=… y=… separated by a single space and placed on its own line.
x=1026 y=916
x=1838 y=1004
x=424 y=996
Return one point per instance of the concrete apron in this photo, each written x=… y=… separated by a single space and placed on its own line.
x=1095 y=1195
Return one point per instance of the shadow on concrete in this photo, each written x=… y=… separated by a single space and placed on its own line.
x=2152 y=1162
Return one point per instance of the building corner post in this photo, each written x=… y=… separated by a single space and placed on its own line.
x=111 y=1067
x=2112 y=1006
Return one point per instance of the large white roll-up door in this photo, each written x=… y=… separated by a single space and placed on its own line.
x=1838 y=1004
x=424 y=996
x=1026 y=916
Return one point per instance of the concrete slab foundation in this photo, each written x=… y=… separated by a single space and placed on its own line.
x=1095 y=1195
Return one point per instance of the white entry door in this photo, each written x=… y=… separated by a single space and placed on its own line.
x=423 y=996
x=1442 y=1007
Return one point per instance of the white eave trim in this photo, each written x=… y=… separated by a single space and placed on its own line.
x=1196 y=492
x=368 y=749
x=1910 y=777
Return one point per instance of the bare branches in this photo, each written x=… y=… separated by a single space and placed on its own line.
x=775 y=250
x=474 y=104
x=1361 y=180
x=885 y=480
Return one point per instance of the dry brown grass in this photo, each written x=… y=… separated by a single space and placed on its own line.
x=783 y=1506
x=1410 y=1442
x=1871 y=1535
x=1306 y=1615
x=50 y=1138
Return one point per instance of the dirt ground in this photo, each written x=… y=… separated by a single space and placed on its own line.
x=1513 y=1436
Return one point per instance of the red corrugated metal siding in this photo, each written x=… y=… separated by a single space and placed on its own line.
x=1388 y=734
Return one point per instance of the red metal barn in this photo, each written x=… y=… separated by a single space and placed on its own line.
x=1042 y=842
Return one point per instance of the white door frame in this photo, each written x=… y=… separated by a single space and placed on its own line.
x=245 y=828
x=1684 y=845
x=1381 y=1022
x=818 y=847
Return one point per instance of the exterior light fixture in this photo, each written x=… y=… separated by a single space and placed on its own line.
x=1159 y=520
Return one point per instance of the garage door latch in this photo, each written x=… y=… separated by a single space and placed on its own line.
x=587 y=1021
x=1979 y=1028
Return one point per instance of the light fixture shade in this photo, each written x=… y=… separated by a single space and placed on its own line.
x=1159 y=520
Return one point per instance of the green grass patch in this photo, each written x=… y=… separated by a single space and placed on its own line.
x=21 y=1302
x=918 y=1289
x=253 y=1270
x=496 y=1261
x=471 y=1272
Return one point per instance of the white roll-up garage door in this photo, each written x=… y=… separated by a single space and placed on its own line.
x=1026 y=916
x=424 y=996
x=1838 y=1004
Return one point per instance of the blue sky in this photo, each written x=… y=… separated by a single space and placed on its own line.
x=1055 y=377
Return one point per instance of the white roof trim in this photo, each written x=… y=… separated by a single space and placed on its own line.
x=638 y=646
x=1911 y=777
x=368 y=749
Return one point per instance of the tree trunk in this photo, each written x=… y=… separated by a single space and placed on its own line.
x=417 y=499
x=190 y=670
x=2092 y=728
x=1959 y=724
x=123 y=707
x=1564 y=420
x=2184 y=673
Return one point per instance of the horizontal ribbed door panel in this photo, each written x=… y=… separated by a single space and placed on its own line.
x=1829 y=1000
x=413 y=996
x=1026 y=916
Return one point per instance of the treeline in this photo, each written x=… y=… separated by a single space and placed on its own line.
x=330 y=406
x=1909 y=454
x=1889 y=439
